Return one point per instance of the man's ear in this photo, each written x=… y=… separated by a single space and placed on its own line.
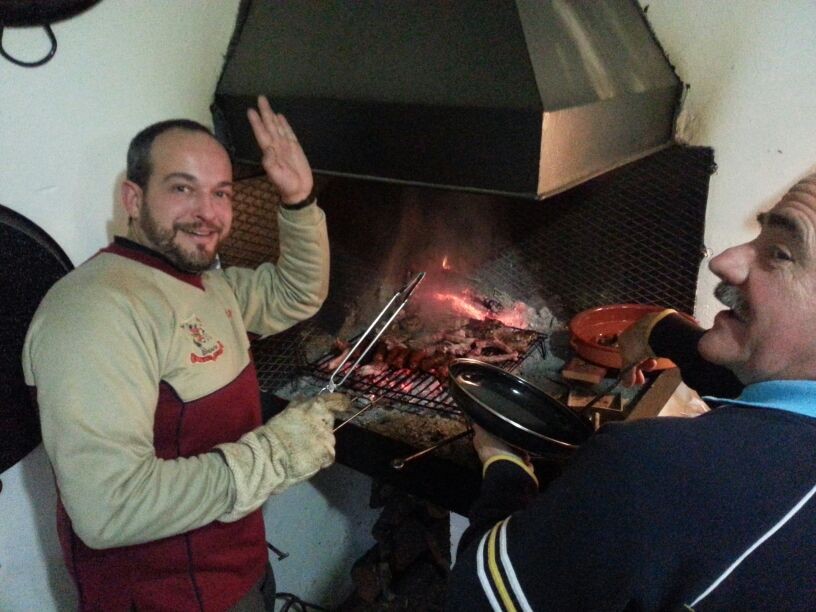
x=132 y=199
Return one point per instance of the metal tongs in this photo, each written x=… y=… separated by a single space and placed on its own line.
x=389 y=312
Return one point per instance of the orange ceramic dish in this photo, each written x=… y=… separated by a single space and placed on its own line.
x=594 y=332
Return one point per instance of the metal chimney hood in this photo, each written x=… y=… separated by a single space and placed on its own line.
x=524 y=97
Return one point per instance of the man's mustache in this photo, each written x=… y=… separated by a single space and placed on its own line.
x=733 y=299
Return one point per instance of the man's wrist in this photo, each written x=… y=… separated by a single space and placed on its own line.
x=297 y=205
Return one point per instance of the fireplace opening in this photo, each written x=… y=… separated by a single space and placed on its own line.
x=634 y=235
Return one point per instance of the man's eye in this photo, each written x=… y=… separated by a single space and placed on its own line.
x=227 y=195
x=781 y=254
x=181 y=188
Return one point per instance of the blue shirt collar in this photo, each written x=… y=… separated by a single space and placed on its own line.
x=790 y=395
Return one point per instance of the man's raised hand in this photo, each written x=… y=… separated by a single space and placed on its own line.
x=283 y=158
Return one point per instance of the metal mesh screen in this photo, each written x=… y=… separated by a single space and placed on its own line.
x=254 y=236
x=281 y=357
x=635 y=235
x=252 y=241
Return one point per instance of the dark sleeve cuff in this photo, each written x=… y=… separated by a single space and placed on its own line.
x=676 y=338
x=507 y=487
x=508 y=472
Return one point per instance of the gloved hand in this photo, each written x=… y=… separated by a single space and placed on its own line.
x=289 y=448
x=633 y=343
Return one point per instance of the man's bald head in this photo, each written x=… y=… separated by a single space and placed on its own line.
x=139 y=162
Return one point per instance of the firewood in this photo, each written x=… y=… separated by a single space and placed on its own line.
x=578 y=369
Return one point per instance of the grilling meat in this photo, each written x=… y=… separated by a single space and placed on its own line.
x=372 y=369
x=342 y=348
x=413 y=347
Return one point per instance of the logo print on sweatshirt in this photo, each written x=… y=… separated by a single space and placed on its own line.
x=206 y=349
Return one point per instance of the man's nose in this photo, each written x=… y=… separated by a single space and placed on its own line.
x=205 y=207
x=733 y=264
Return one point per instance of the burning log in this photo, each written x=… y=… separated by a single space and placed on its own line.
x=408 y=566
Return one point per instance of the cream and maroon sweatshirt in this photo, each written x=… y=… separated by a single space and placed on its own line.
x=140 y=369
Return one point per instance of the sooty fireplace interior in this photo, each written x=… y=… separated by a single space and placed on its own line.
x=634 y=235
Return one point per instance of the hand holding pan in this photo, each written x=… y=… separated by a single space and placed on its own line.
x=515 y=411
x=487 y=446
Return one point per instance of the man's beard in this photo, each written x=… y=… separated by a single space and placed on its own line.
x=163 y=239
x=731 y=297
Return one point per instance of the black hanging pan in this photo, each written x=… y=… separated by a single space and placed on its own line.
x=24 y=13
x=516 y=411
x=30 y=262
x=21 y=13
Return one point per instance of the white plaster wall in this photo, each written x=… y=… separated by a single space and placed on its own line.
x=751 y=68
x=64 y=131
x=64 y=127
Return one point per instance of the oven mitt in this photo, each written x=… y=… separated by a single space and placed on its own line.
x=633 y=342
x=289 y=448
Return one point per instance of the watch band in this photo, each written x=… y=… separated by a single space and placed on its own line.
x=310 y=199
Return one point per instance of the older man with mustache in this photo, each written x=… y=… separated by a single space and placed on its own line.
x=710 y=513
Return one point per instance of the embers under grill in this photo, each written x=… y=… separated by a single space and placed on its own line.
x=410 y=386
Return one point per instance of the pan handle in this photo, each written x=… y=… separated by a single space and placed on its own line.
x=400 y=462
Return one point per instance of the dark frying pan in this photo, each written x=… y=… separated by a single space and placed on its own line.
x=30 y=262
x=516 y=411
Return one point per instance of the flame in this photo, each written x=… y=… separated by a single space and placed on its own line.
x=461 y=306
x=445 y=264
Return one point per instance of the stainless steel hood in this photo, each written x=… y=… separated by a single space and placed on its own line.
x=528 y=97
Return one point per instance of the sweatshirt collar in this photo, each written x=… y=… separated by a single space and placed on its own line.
x=125 y=247
x=797 y=396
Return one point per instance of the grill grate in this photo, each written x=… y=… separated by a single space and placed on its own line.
x=412 y=387
x=281 y=357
